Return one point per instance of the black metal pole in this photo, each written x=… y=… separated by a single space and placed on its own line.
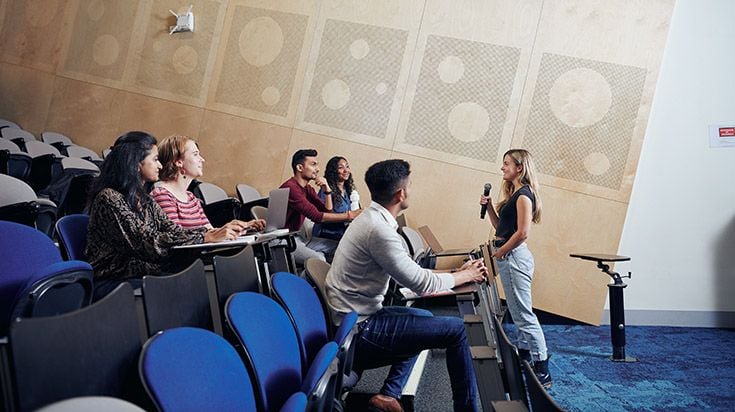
x=617 y=322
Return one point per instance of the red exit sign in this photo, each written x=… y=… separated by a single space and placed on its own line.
x=727 y=131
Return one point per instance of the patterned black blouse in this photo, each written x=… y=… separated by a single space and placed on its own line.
x=123 y=244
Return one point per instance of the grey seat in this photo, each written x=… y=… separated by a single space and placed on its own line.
x=57 y=140
x=212 y=193
x=259 y=212
x=54 y=137
x=417 y=247
x=15 y=134
x=316 y=273
x=246 y=193
x=8 y=124
x=218 y=206
x=177 y=300
x=82 y=152
x=91 y=404
x=249 y=197
x=19 y=203
x=46 y=163
x=236 y=273
x=17 y=163
x=89 y=352
x=69 y=188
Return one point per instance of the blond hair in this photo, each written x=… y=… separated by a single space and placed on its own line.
x=522 y=158
x=170 y=150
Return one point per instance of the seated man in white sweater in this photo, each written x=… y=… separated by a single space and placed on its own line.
x=369 y=254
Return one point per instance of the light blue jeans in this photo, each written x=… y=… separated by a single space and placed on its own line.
x=320 y=248
x=516 y=273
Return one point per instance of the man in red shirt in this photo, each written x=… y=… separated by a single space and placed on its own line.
x=303 y=202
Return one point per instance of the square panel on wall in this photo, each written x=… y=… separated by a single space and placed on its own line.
x=462 y=98
x=260 y=62
x=176 y=66
x=355 y=78
x=97 y=49
x=582 y=119
x=29 y=32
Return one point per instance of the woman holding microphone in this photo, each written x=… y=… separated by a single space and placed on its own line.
x=512 y=219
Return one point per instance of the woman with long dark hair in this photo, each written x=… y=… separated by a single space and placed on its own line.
x=339 y=179
x=129 y=236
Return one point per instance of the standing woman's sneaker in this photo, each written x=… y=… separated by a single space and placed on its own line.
x=541 y=369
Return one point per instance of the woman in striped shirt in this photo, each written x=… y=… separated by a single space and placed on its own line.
x=182 y=162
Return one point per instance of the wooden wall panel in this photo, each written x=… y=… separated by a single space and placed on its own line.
x=239 y=150
x=26 y=95
x=588 y=93
x=30 y=32
x=176 y=67
x=259 y=70
x=97 y=48
x=355 y=79
x=465 y=86
x=88 y=113
x=158 y=117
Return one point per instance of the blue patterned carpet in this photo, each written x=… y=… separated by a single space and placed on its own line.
x=680 y=369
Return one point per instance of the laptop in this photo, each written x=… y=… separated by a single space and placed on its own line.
x=436 y=247
x=277 y=209
x=275 y=224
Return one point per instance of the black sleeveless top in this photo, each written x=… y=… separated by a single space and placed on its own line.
x=508 y=215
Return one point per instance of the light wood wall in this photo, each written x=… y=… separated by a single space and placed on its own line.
x=447 y=85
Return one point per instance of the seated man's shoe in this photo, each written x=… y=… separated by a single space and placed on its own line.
x=385 y=403
x=541 y=370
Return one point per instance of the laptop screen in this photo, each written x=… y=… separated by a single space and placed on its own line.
x=277 y=208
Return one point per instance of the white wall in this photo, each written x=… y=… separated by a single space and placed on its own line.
x=680 y=227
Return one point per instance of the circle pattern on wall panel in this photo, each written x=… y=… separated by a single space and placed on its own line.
x=39 y=13
x=261 y=41
x=98 y=25
x=580 y=97
x=177 y=64
x=462 y=97
x=355 y=77
x=95 y=9
x=105 y=50
x=582 y=118
x=28 y=32
x=260 y=61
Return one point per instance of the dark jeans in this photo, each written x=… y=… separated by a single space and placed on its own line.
x=396 y=335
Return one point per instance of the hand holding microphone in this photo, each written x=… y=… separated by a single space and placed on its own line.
x=484 y=200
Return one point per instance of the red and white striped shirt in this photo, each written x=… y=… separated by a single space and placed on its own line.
x=188 y=214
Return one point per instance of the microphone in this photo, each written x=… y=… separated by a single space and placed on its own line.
x=483 y=208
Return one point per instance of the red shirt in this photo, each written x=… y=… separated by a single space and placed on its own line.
x=302 y=202
x=189 y=214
